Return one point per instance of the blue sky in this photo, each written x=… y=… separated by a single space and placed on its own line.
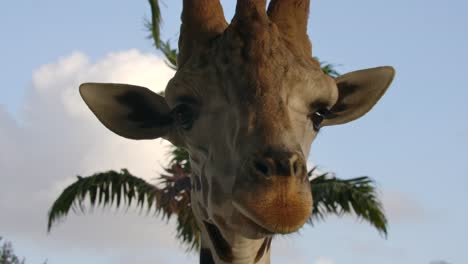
x=414 y=143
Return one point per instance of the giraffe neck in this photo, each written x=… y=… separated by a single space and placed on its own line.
x=223 y=248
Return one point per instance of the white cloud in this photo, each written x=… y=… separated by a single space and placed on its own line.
x=56 y=138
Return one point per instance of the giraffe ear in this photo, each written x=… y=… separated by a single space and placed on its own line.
x=358 y=92
x=130 y=111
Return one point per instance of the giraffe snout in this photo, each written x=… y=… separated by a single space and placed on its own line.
x=278 y=163
x=273 y=191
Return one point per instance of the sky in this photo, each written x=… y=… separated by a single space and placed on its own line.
x=414 y=143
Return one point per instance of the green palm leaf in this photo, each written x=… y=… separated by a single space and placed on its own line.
x=170 y=54
x=329 y=69
x=153 y=25
x=353 y=196
x=104 y=189
x=113 y=188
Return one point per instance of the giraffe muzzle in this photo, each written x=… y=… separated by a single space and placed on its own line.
x=275 y=192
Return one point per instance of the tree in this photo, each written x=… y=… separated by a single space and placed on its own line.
x=331 y=195
x=7 y=254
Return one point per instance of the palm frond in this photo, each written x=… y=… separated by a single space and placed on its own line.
x=154 y=27
x=353 y=196
x=118 y=189
x=103 y=189
x=154 y=24
x=328 y=68
x=170 y=54
x=181 y=157
x=177 y=186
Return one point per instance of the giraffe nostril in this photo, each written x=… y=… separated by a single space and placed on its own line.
x=284 y=164
x=297 y=167
x=261 y=167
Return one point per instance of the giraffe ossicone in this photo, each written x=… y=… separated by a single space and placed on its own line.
x=246 y=102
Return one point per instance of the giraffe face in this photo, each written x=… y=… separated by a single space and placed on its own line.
x=246 y=102
x=246 y=117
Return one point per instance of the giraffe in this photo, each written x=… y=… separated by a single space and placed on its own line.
x=246 y=102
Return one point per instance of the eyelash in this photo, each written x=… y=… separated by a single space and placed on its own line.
x=318 y=116
x=184 y=116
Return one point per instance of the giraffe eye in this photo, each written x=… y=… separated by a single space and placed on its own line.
x=184 y=116
x=318 y=116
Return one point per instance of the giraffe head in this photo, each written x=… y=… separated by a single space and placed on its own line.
x=247 y=101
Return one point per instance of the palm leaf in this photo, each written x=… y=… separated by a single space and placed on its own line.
x=328 y=68
x=102 y=189
x=113 y=188
x=353 y=196
x=153 y=25
x=177 y=186
x=170 y=54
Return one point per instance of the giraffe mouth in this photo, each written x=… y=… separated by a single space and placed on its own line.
x=280 y=208
x=263 y=230
x=280 y=225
